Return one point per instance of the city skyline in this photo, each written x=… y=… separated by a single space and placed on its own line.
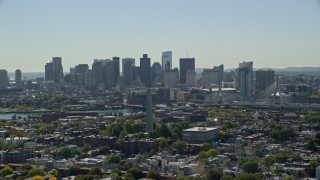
x=272 y=34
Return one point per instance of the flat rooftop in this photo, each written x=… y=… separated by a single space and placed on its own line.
x=200 y=129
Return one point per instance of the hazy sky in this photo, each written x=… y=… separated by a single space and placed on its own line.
x=271 y=33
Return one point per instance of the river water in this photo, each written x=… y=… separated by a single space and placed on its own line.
x=8 y=116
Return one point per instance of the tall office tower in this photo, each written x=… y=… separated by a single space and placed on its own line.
x=111 y=74
x=135 y=73
x=90 y=81
x=127 y=70
x=185 y=65
x=166 y=61
x=212 y=76
x=155 y=73
x=18 y=78
x=264 y=79
x=116 y=66
x=72 y=70
x=97 y=68
x=191 y=79
x=80 y=72
x=3 y=79
x=49 y=71
x=170 y=78
x=124 y=61
x=229 y=76
x=149 y=120
x=245 y=78
x=145 y=70
x=220 y=73
x=57 y=69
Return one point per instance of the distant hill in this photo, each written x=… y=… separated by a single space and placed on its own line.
x=300 y=69
x=288 y=69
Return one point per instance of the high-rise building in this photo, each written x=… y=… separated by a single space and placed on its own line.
x=109 y=75
x=116 y=71
x=264 y=79
x=57 y=69
x=80 y=72
x=49 y=71
x=170 y=78
x=111 y=71
x=229 y=76
x=245 y=78
x=18 y=77
x=127 y=70
x=145 y=70
x=124 y=61
x=185 y=65
x=191 y=79
x=135 y=73
x=212 y=76
x=166 y=61
x=155 y=73
x=3 y=79
x=97 y=68
x=90 y=81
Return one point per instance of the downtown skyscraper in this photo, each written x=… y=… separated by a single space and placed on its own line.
x=54 y=70
x=166 y=59
x=264 y=79
x=18 y=78
x=245 y=78
x=3 y=79
x=127 y=70
x=185 y=65
x=145 y=70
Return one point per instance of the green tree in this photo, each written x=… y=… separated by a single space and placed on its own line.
x=206 y=146
x=115 y=176
x=180 y=146
x=52 y=178
x=250 y=167
x=222 y=135
x=162 y=143
x=36 y=172
x=127 y=176
x=287 y=178
x=163 y=131
x=123 y=134
x=84 y=177
x=113 y=159
x=136 y=173
x=68 y=152
x=268 y=160
x=152 y=174
x=41 y=128
x=213 y=175
x=53 y=172
x=212 y=152
x=95 y=171
x=279 y=170
x=86 y=148
x=227 y=177
x=74 y=171
x=104 y=150
x=248 y=176
x=6 y=171
x=176 y=133
x=37 y=178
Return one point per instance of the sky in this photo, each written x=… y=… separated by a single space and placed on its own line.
x=271 y=33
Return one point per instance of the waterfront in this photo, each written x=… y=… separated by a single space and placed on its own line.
x=9 y=115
